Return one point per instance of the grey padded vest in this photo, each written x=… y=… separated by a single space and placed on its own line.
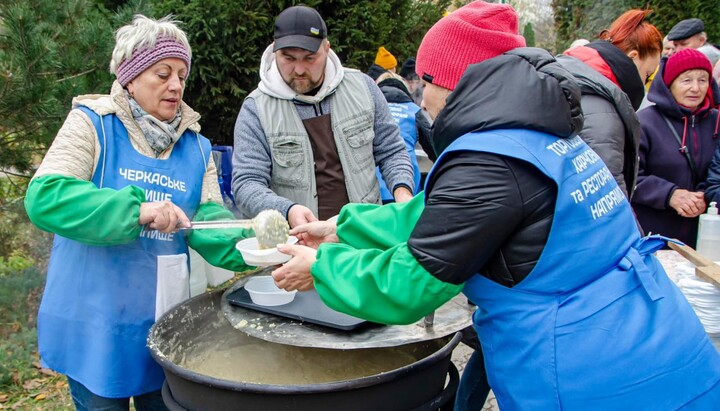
x=352 y=114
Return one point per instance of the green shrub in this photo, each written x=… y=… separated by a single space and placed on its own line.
x=21 y=243
x=15 y=262
x=18 y=352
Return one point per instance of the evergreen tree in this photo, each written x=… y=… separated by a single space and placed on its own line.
x=586 y=19
x=529 y=34
x=49 y=52
x=228 y=39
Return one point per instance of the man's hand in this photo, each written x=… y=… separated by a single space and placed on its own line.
x=688 y=204
x=295 y=274
x=299 y=215
x=402 y=195
x=315 y=233
x=163 y=216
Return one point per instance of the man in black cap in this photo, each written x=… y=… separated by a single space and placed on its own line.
x=689 y=33
x=307 y=140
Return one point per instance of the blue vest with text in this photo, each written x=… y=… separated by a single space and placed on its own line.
x=99 y=302
x=597 y=323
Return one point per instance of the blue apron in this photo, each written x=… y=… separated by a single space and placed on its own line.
x=404 y=116
x=597 y=324
x=99 y=302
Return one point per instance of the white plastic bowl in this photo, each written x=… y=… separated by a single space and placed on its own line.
x=263 y=291
x=253 y=255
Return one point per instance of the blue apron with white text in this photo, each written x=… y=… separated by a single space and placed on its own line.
x=99 y=302
x=597 y=324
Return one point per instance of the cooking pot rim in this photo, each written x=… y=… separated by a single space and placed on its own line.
x=444 y=352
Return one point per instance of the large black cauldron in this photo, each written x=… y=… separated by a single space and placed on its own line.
x=418 y=386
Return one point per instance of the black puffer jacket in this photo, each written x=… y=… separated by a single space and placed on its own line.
x=611 y=126
x=485 y=212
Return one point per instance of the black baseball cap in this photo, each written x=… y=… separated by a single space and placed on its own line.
x=299 y=27
x=686 y=29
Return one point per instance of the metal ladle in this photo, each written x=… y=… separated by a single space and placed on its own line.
x=270 y=227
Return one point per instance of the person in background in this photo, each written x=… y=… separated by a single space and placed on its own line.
x=679 y=136
x=125 y=171
x=668 y=47
x=716 y=72
x=403 y=110
x=611 y=73
x=668 y=50
x=574 y=310
x=689 y=33
x=307 y=140
x=407 y=71
x=579 y=43
x=711 y=52
x=711 y=186
x=422 y=120
x=384 y=61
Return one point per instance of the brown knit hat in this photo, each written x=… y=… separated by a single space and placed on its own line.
x=469 y=35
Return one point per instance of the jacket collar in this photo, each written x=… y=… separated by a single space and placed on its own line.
x=525 y=88
x=117 y=103
x=624 y=69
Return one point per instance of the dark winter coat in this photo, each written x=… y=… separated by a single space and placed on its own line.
x=375 y=71
x=512 y=200
x=395 y=91
x=664 y=167
x=712 y=184
x=611 y=126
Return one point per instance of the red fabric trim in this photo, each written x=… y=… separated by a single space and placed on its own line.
x=592 y=58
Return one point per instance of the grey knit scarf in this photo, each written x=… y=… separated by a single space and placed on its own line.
x=159 y=134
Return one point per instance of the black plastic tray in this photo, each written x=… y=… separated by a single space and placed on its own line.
x=307 y=306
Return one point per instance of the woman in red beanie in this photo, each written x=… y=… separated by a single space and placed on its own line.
x=680 y=133
x=612 y=72
x=574 y=312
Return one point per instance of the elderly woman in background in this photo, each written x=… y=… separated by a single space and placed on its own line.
x=679 y=136
x=124 y=172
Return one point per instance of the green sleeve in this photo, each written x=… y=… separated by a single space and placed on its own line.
x=218 y=246
x=78 y=210
x=388 y=287
x=371 y=226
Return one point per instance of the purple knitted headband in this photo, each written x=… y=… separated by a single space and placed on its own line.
x=165 y=47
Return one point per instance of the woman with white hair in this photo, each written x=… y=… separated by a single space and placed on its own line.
x=125 y=171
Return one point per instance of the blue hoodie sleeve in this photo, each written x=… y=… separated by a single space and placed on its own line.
x=388 y=146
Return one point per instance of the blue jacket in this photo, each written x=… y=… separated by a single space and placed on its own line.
x=403 y=111
x=712 y=184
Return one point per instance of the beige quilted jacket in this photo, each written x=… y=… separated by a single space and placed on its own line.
x=76 y=150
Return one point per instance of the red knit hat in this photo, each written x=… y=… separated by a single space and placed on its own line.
x=684 y=60
x=469 y=35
